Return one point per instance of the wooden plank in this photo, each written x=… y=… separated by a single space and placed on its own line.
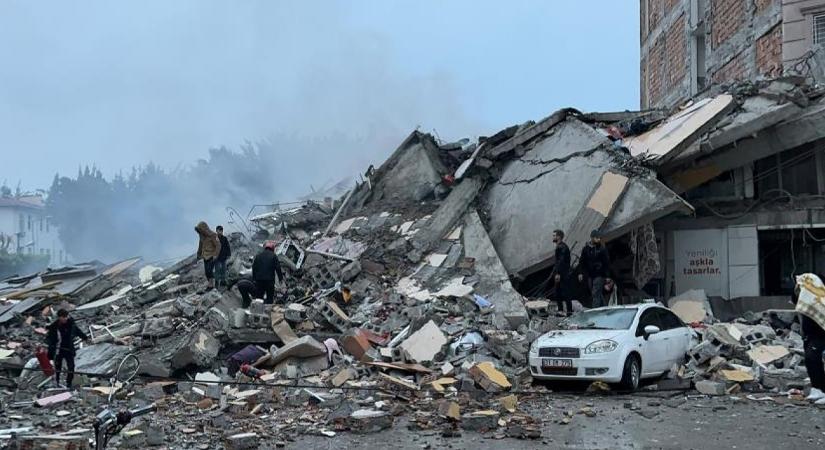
x=595 y=212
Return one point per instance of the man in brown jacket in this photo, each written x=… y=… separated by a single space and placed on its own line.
x=209 y=248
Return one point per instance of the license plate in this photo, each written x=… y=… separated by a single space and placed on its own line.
x=547 y=362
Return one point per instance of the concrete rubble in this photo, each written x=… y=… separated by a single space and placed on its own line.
x=437 y=247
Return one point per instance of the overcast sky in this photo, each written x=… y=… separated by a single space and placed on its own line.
x=118 y=84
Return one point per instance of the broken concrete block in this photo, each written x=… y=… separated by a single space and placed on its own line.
x=152 y=391
x=424 y=344
x=350 y=271
x=366 y=421
x=767 y=354
x=242 y=441
x=449 y=410
x=538 y=308
x=252 y=335
x=133 y=439
x=480 y=420
x=200 y=351
x=509 y=403
x=356 y=344
x=304 y=347
x=488 y=378
x=280 y=326
x=711 y=388
x=703 y=352
x=737 y=376
x=158 y=328
x=344 y=376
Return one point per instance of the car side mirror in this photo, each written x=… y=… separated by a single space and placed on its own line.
x=651 y=329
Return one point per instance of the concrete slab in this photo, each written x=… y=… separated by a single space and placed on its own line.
x=424 y=344
x=304 y=347
x=526 y=195
x=671 y=137
x=494 y=283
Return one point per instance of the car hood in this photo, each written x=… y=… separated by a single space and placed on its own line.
x=576 y=338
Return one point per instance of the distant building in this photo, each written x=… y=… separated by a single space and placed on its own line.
x=25 y=228
x=688 y=45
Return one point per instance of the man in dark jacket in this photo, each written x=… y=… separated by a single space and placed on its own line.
x=264 y=268
x=223 y=257
x=595 y=264
x=60 y=338
x=561 y=273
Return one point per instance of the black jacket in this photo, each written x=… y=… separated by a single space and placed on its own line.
x=562 y=263
x=810 y=329
x=61 y=337
x=226 y=252
x=595 y=261
x=265 y=266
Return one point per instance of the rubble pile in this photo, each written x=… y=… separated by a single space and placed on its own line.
x=756 y=353
x=400 y=299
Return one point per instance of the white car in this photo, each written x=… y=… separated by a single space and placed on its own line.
x=616 y=344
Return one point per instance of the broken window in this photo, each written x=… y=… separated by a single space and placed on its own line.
x=783 y=254
x=819 y=29
x=793 y=171
x=723 y=186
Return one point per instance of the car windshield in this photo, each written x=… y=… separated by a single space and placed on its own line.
x=605 y=319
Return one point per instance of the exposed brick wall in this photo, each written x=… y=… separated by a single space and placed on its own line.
x=676 y=62
x=769 y=53
x=643 y=84
x=733 y=70
x=654 y=76
x=727 y=17
x=669 y=4
x=654 y=16
x=762 y=4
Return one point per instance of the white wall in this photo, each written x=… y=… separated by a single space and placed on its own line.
x=42 y=234
x=722 y=261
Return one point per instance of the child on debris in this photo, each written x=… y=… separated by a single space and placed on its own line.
x=209 y=248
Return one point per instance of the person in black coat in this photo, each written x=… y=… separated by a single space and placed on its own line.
x=60 y=337
x=595 y=265
x=813 y=337
x=561 y=273
x=223 y=257
x=264 y=268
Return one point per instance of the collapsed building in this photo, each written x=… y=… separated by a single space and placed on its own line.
x=446 y=250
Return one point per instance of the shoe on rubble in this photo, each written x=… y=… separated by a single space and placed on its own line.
x=815 y=395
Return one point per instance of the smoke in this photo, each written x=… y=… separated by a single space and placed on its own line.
x=299 y=91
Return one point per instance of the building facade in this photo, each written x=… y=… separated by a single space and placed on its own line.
x=26 y=228
x=688 y=45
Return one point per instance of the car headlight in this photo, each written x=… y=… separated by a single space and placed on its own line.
x=603 y=346
x=534 y=348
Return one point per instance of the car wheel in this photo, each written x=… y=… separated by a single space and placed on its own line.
x=631 y=374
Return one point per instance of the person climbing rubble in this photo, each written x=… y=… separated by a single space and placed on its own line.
x=265 y=267
x=561 y=274
x=223 y=257
x=807 y=297
x=209 y=248
x=595 y=266
x=60 y=337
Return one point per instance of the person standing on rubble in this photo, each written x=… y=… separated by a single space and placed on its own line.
x=264 y=268
x=595 y=264
x=561 y=273
x=209 y=248
x=813 y=337
x=223 y=257
x=60 y=337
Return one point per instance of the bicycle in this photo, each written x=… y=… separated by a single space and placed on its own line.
x=109 y=423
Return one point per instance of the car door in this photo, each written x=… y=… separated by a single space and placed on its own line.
x=653 y=349
x=678 y=336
